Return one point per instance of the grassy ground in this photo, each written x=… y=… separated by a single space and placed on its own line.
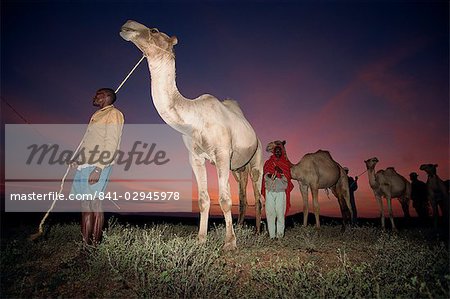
x=164 y=260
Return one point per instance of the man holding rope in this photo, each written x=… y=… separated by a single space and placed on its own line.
x=352 y=187
x=99 y=145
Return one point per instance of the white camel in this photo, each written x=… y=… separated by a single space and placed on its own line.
x=211 y=130
x=438 y=194
x=389 y=184
x=319 y=171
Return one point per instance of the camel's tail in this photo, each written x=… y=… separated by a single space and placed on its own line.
x=407 y=192
x=343 y=194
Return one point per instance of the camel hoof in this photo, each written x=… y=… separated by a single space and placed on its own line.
x=230 y=246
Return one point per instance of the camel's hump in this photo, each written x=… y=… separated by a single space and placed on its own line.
x=325 y=152
x=233 y=106
x=390 y=171
x=319 y=153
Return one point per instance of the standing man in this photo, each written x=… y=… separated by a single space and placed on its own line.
x=99 y=145
x=352 y=187
x=276 y=189
x=419 y=196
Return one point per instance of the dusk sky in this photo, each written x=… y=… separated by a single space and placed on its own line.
x=357 y=78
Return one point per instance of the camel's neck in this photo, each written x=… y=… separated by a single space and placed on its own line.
x=167 y=99
x=433 y=178
x=372 y=180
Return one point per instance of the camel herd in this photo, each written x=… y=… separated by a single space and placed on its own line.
x=218 y=131
x=389 y=184
x=438 y=191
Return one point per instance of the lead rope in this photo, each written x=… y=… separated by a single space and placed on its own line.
x=129 y=74
x=41 y=224
x=358 y=177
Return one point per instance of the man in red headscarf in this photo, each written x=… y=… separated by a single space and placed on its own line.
x=276 y=189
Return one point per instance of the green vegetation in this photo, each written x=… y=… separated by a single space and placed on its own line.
x=165 y=260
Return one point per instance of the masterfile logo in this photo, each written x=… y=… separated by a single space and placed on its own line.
x=150 y=169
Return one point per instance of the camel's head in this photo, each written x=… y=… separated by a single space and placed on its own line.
x=149 y=40
x=430 y=169
x=271 y=146
x=370 y=163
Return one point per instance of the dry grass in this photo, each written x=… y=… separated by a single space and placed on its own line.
x=166 y=261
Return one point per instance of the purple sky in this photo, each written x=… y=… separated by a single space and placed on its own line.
x=360 y=79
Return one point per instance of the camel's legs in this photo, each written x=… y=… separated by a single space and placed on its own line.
x=434 y=206
x=345 y=211
x=349 y=209
x=242 y=178
x=223 y=174
x=391 y=214
x=199 y=169
x=304 y=192
x=405 y=206
x=380 y=206
x=315 y=196
x=256 y=176
x=256 y=173
x=443 y=204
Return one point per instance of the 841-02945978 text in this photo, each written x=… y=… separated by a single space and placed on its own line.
x=140 y=195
